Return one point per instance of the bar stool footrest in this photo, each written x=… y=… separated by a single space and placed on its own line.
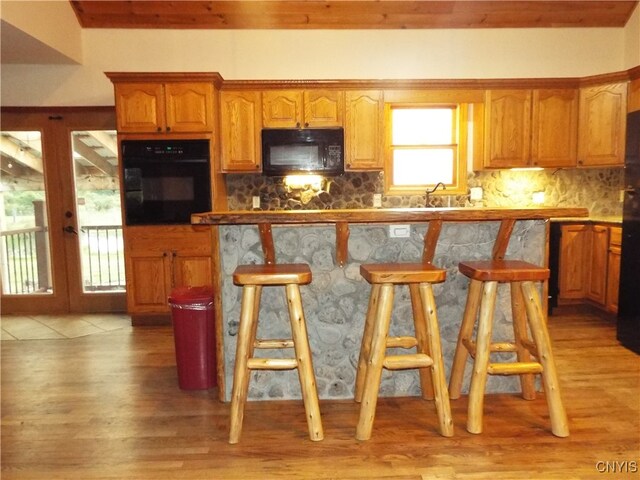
x=402 y=342
x=401 y=362
x=515 y=368
x=272 y=363
x=274 y=343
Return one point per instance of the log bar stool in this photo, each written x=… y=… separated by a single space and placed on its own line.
x=375 y=341
x=253 y=278
x=526 y=305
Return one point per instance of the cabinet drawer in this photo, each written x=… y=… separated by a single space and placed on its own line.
x=185 y=239
x=615 y=237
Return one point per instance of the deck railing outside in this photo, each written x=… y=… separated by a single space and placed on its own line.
x=27 y=262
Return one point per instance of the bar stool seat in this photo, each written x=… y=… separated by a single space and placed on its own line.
x=526 y=309
x=252 y=278
x=428 y=357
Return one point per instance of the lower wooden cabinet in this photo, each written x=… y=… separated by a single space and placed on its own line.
x=613 y=270
x=589 y=267
x=574 y=251
x=157 y=259
x=598 y=256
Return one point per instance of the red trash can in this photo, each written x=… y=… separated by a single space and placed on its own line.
x=193 y=333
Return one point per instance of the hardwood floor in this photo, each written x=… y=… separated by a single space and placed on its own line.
x=107 y=406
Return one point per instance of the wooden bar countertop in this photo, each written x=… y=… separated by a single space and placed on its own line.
x=383 y=215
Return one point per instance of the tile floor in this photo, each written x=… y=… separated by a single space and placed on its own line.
x=38 y=327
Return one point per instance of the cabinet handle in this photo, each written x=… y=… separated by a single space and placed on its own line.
x=298 y=125
x=168 y=129
x=580 y=162
x=174 y=254
x=159 y=129
x=164 y=254
x=306 y=124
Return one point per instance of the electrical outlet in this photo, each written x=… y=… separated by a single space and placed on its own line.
x=256 y=201
x=377 y=200
x=399 y=231
x=475 y=194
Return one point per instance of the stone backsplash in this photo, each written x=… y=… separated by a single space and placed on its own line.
x=597 y=189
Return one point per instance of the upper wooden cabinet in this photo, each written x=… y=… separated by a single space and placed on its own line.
x=364 y=114
x=176 y=107
x=530 y=128
x=602 y=125
x=302 y=108
x=240 y=128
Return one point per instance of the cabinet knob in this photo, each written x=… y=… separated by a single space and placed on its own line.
x=298 y=124
x=306 y=124
x=580 y=162
x=159 y=129
x=168 y=129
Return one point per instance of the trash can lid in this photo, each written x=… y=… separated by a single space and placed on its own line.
x=187 y=295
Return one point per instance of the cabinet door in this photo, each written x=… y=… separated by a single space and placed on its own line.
x=508 y=128
x=601 y=128
x=574 y=248
x=613 y=269
x=554 y=136
x=323 y=108
x=597 y=285
x=364 y=115
x=189 y=107
x=191 y=271
x=147 y=283
x=139 y=107
x=282 y=108
x=240 y=131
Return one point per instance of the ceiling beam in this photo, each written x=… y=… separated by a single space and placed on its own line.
x=94 y=157
x=107 y=141
x=20 y=155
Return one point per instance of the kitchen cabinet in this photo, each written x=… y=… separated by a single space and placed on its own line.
x=173 y=107
x=240 y=131
x=601 y=127
x=530 y=128
x=613 y=269
x=589 y=267
x=364 y=117
x=302 y=108
x=598 y=256
x=574 y=248
x=157 y=259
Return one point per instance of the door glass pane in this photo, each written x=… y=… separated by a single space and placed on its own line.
x=25 y=247
x=95 y=155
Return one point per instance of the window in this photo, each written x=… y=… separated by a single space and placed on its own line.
x=425 y=146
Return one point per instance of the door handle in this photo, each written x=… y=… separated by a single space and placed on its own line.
x=70 y=229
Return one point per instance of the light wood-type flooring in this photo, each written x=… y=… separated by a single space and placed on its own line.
x=107 y=406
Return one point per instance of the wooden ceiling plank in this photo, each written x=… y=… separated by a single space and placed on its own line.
x=91 y=156
x=352 y=14
x=20 y=155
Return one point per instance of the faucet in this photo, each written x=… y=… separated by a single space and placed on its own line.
x=429 y=192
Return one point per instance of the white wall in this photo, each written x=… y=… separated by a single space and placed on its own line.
x=317 y=54
x=52 y=23
x=632 y=40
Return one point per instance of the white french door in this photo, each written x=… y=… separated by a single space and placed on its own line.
x=60 y=216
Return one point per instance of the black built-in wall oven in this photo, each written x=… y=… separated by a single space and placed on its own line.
x=165 y=181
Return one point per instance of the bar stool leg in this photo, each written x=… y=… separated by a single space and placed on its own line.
x=422 y=332
x=241 y=372
x=374 y=367
x=365 y=347
x=305 y=364
x=443 y=407
x=466 y=330
x=527 y=380
x=559 y=423
x=481 y=363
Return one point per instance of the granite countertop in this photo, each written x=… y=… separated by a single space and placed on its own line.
x=385 y=215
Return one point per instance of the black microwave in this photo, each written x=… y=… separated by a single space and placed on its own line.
x=165 y=181
x=302 y=151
